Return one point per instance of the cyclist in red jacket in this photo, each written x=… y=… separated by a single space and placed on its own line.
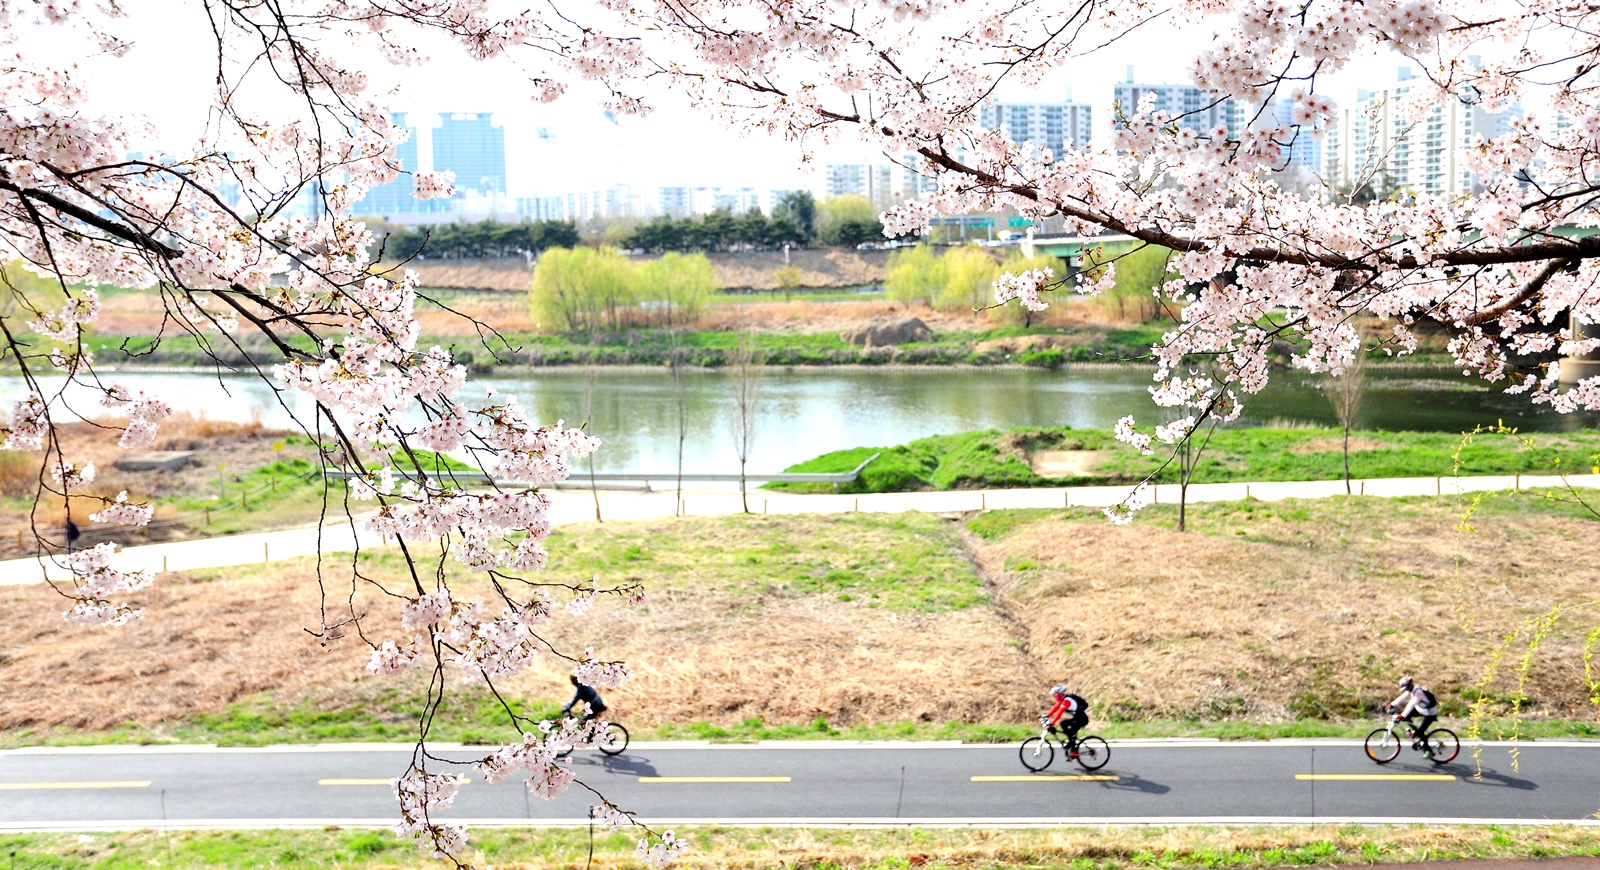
x=1073 y=708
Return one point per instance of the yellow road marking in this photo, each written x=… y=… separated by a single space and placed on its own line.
x=1381 y=777
x=1049 y=778
x=28 y=786
x=353 y=782
x=714 y=779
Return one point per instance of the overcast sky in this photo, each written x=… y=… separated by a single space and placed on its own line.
x=674 y=145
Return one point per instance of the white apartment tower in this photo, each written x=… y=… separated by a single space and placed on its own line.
x=1189 y=106
x=869 y=180
x=1057 y=126
x=1375 y=138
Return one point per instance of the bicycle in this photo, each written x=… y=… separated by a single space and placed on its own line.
x=613 y=742
x=1089 y=751
x=1442 y=743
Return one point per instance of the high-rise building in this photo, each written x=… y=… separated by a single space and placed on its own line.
x=542 y=208
x=869 y=180
x=1374 y=139
x=1057 y=126
x=393 y=199
x=1187 y=105
x=675 y=202
x=472 y=146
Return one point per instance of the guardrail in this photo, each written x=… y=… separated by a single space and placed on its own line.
x=581 y=479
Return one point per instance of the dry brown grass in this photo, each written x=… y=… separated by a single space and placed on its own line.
x=1276 y=612
x=236 y=445
x=1267 y=613
x=703 y=650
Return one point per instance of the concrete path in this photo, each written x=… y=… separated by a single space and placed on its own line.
x=815 y=784
x=578 y=506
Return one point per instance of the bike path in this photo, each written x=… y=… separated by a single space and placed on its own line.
x=1150 y=782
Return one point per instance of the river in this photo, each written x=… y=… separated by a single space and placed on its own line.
x=805 y=411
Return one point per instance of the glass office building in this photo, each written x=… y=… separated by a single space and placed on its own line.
x=472 y=146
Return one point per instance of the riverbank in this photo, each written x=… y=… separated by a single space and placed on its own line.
x=1031 y=457
x=1287 y=618
x=1033 y=347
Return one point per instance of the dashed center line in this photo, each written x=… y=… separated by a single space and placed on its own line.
x=675 y=779
x=29 y=786
x=1050 y=778
x=1377 y=777
x=354 y=782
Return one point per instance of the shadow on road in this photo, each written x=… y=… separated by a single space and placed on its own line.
x=1487 y=776
x=1135 y=782
x=624 y=764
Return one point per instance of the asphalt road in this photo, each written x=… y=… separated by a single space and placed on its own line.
x=109 y=788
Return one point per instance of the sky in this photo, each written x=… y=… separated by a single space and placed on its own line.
x=580 y=146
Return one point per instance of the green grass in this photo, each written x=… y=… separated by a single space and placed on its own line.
x=1065 y=848
x=992 y=458
x=905 y=563
x=652 y=346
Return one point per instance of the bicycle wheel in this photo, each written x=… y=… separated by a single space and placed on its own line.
x=1445 y=745
x=1382 y=746
x=1036 y=753
x=1093 y=753
x=614 y=740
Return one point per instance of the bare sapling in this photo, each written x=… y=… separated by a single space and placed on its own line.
x=744 y=370
x=1344 y=391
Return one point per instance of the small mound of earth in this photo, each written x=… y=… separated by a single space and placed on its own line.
x=1065 y=463
x=1021 y=343
x=887 y=331
x=1335 y=444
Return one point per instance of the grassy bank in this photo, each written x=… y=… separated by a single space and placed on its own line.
x=817 y=849
x=1056 y=457
x=706 y=348
x=1265 y=620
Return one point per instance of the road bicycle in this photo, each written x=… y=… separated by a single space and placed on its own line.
x=1383 y=744
x=612 y=742
x=1089 y=751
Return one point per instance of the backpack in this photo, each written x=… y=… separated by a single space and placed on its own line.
x=1428 y=699
x=1083 y=706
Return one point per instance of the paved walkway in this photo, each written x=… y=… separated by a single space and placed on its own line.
x=813 y=784
x=578 y=506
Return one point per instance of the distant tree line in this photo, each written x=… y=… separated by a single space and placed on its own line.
x=797 y=219
x=482 y=239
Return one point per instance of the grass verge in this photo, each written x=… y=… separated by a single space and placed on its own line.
x=819 y=849
x=999 y=459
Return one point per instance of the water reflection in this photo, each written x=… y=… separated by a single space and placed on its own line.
x=809 y=411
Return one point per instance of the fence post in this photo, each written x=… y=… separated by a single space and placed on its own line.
x=1516 y=486
x=264 y=556
x=208 y=515
x=1438 y=486
x=1066 y=498
x=983 y=500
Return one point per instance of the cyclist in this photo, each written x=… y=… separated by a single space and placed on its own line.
x=588 y=696
x=1417 y=701
x=1069 y=706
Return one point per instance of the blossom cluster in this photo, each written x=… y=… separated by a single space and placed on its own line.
x=95 y=581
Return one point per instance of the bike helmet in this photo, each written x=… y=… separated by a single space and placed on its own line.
x=1059 y=691
x=1406 y=683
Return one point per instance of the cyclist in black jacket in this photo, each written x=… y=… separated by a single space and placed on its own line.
x=587 y=695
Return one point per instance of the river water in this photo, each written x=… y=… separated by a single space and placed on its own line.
x=807 y=411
